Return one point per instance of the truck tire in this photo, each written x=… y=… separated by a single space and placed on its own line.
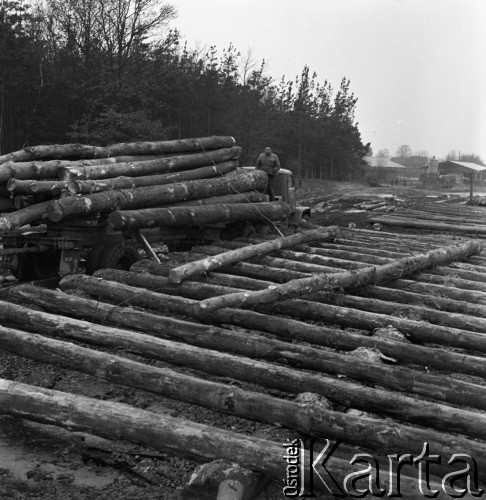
x=113 y=256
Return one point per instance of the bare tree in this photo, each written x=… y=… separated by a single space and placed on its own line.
x=404 y=151
x=422 y=153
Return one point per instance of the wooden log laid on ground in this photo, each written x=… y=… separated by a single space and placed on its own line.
x=90 y=186
x=371 y=275
x=417 y=312
x=255 y=271
x=150 y=167
x=198 y=216
x=445 y=298
x=33 y=187
x=24 y=216
x=456 y=302
x=161 y=381
x=287 y=328
x=435 y=226
x=454 y=219
x=442 y=291
x=214 y=337
x=301 y=255
x=446 y=390
x=415 y=382
x=59 y=151
x=384 y=436
x=151 y=196
x=275 y=262
x=170 y=434
x=197 y=267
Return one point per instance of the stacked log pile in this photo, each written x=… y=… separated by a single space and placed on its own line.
x=364 y=347
x=55 y=183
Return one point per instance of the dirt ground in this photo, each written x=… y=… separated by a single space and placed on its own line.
x=42 y=462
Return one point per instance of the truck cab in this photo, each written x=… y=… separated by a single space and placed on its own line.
x=285 y=189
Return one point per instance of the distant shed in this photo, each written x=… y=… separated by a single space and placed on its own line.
x=382 y=169
x=465 y=168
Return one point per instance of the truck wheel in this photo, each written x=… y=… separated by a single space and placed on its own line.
x=113 y=256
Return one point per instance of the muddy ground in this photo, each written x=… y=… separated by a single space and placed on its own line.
x=42 y=462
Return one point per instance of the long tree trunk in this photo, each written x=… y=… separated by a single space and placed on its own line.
x=307 y=357
x=245 y=197
x=59 y=151
x=198 y=216
x=150 y=167
x=158 y=380
x=24 y=216
x=170 y=434
x=246 y=252
x=212 y=336
x=436 y=226
x=29 y=186
x=446 y=390
x=268 y=322
x=372 y=275
x=151 y=196
x=89 y=186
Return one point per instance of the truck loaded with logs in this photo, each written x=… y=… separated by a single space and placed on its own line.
x=71 y=206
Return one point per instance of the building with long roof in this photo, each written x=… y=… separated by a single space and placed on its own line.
x=380 y=169
x=464 y=168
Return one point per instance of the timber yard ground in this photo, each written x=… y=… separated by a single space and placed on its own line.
x=48 y=463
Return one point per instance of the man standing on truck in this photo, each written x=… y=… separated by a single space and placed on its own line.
x=270 y=164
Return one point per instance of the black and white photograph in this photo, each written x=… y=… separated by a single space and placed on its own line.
x=241 y=249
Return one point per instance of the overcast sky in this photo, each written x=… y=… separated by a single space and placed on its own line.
x=418 y=67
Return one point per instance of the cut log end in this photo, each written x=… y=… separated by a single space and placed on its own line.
x=54 y=211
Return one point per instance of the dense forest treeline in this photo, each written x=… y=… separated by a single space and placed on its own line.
x=106 y=71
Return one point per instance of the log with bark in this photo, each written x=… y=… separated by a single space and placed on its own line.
x=301 y=253
x=35 y=187
x=152 y=196
x=149 y=167
x=170 y=434
x=435 y=226
x=164 y=381
x=415 y=382
x=50 y=168
x=245 y=197
x=90 y=186
x=269 y=322
x=24 y=201
x=372 y=311
x=446 y=390
x=246 y=252
x=345 y=280
x=28 y=215
x=59 y=302
x=308 y=269
x=74 y=151
x=198 y=216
